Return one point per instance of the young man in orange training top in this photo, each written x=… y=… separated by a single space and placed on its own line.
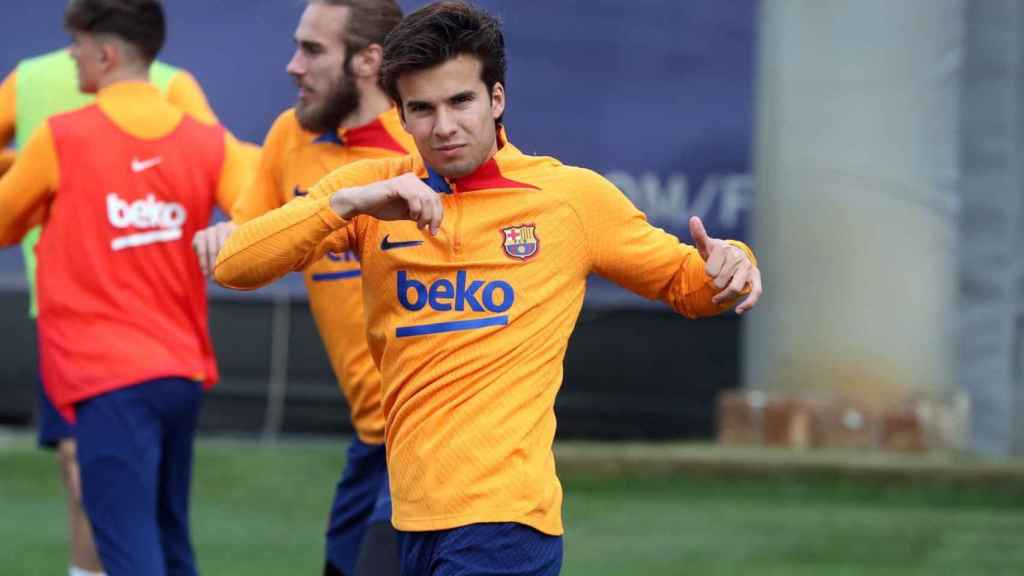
x=36 y=89
x=469 y=320
x=342 y=116
x=120 y=187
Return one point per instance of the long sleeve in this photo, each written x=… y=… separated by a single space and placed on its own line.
x=625 y=248
x=240 y=159
x=28 y=187
x=8 y=108
x=186 y=95
x=264 y=191
x=7 y=158
x=289 y=238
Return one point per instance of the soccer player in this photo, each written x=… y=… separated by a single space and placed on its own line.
x=474 y=262
x=22 y=110
x=342 y=116
x=120 y=186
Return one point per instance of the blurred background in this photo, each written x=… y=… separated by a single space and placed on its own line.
x=666 y=111
x=872 y=154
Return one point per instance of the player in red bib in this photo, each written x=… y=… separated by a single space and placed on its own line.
x=121 y=186
x=39 y=87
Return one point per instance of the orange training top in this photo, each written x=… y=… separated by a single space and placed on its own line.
x=470 y=327
x=293 y=160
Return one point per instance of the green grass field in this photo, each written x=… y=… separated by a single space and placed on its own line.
x=260 y=509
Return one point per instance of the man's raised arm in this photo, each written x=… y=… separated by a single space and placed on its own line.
x=289 y=238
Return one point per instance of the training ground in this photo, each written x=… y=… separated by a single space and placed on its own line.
x=630 y=509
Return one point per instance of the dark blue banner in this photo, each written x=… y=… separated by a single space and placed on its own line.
x=656 y=95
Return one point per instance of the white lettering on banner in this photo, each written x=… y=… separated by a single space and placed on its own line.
x=668 y=203
x=169 y=217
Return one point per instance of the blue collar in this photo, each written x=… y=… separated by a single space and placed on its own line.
x=436 y=181
x=329 y=138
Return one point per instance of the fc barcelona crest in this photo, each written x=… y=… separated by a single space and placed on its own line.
x=520 y=242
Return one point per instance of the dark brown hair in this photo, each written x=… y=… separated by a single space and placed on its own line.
x=369 y=21
x=139 y=23
x=439 y=32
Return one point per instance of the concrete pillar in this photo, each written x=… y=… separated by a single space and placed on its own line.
x=855 y=222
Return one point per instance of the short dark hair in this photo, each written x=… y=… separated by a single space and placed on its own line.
x=369 y=21
x=439 y=32
x=139 y=23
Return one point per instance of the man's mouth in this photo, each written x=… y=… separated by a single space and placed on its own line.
x=449 y=148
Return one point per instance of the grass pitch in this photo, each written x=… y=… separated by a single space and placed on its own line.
x=261 y=509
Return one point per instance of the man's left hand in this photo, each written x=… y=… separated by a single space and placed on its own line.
x=729 y=267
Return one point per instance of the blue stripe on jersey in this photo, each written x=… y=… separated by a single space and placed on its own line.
x=458 y=325
x=343 y=275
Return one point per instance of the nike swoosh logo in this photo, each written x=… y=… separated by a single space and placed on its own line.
x=299 y=192
x=386 y=244
x=143 y=165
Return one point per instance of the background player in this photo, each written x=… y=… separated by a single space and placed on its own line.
x=122 y=313
x=36 y=89
x=342 y=116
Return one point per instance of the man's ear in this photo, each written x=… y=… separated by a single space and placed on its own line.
x=110 y=55
x=366 y=62
x=497 y=100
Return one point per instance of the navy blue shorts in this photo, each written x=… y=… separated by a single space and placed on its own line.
x=135 y=458
x=507 y=549
x=361 y=498
x=52 y=427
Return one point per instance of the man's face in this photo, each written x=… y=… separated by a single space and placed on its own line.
x=327 y=91
x=87 y=52
x=451 y=116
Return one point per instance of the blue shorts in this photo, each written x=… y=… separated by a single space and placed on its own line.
x=507 y=549
x=135 y=458
x=361 y=498
x=52 y=427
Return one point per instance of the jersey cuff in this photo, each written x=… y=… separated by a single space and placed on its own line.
x=746 y=249
x=329 y=216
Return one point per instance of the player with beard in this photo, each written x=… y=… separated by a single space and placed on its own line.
x=342 y=115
